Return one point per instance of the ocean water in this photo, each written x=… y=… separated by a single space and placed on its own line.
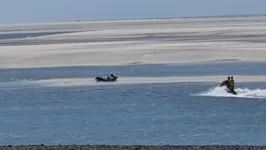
x=26 y=35
x=156 y=70
x=158 y=114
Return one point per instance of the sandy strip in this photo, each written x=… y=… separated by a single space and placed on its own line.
x=143 y=80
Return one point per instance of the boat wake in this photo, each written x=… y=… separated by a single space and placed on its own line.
x=241 y=93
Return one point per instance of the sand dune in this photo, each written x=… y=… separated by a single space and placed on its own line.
x=140 y=41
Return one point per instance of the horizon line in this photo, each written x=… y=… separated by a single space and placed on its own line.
x=135 y=19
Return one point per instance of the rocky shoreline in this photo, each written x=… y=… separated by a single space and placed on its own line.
x=129 y=147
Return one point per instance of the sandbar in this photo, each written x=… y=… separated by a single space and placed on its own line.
x=72 y=82
x=108 y=43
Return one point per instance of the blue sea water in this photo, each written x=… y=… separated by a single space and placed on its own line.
x=157 y=114
x=157 y=70
x=25 y=35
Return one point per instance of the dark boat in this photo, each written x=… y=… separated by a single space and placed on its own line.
x=231 y=91
x=101 y=79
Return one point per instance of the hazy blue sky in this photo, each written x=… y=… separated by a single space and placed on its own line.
x=22 y=11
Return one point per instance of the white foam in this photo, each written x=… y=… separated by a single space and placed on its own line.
x=241 y=93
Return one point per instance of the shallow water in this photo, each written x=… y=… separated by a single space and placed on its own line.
x=183 y=113
x=215 y=68
x=26 y=35
x=150 y=114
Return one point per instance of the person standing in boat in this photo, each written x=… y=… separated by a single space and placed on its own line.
x=225 y=83
x=232 y=83
x=113 y=77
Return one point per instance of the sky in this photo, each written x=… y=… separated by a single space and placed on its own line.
x=32 y=11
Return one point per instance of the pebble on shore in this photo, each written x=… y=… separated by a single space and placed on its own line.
x=125 y=147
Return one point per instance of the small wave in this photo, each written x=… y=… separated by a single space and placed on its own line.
x=241 y=93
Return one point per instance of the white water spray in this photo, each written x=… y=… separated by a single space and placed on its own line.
x=241 y=93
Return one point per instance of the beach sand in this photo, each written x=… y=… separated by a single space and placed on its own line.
x=72 y=82
x=135 y=42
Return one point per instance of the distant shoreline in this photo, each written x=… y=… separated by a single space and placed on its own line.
x=140 y=19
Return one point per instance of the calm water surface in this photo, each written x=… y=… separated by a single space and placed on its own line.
x=130 y=114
